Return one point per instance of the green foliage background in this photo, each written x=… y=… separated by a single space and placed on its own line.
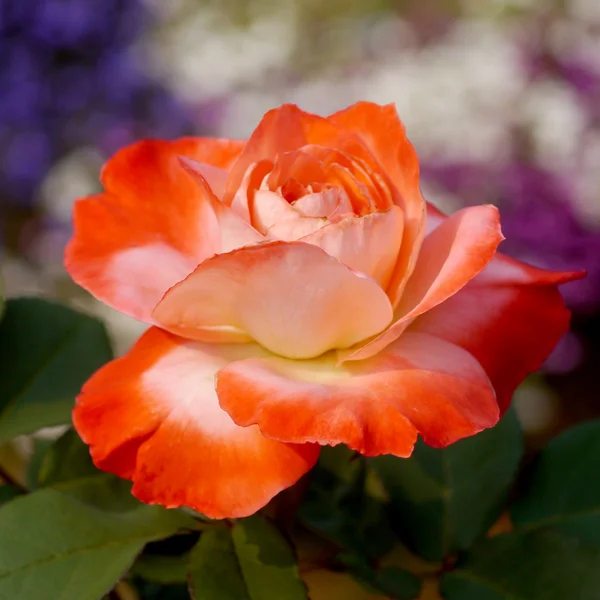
x=474 y=521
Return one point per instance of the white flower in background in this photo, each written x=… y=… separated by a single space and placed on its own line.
x=552 y=112
x=536 y=405
x=440 y=198
x=167 y=10
x=584 y=10
x=456 y=98
x=75 y=176
x=493 y=8
x=205 y=54
x=20 y=279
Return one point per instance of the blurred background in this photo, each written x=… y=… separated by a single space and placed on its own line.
x=501 y=99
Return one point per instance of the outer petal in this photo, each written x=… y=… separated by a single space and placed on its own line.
x=215 y=178
x=509 y=317
x=233 y=231
x=241 y=199
x=384 y=135
x=368 y=244
x=153 y=417
x=504 y=270
x=419 y=384
x=217 y=152
x=292 y=298
x=452 y=255
x=212 y=158
x=149 y=230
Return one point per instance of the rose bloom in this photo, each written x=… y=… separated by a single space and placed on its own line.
x=300 y=293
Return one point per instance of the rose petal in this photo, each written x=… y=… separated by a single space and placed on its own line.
x=242 y=200
x=369 y=183
x=435 y=217
x=382 y=132
x=281 y=130
x=215 y=178
x=292 y=298
x=270 y=208
x=296 y=228
x=149 y=230
x=451 y=256
x=233 y=231
x=369 y=244
x=297 y=164
x=503 y=270
x=153 y=417
x=330 y=203
x=418 y=384
x=510 y=318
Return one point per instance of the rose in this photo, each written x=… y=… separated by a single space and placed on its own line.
x=301 y=293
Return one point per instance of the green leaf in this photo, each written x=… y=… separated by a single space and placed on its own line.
x=66 y=459
x=153 y=591
x=563 y=488
x=338 y=507
x=215 y=572
x=47 y=352
x=250 y=561
x=538 y=565
x=40 y=448
x=2 y=302
x=392 y=581
x=162 y=569
x=7 y=492
x=444 y=499
x=55 y=545
x=67 y=466
x=397 y=583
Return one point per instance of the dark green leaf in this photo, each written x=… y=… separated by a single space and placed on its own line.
x=67 y=467
x=54 y=545
x=564 y=486
x=7 y=492
x=2 y=303
x=398 y=583
x=339 y=508
x=47 y=352
x=66 y=459
x=215 y=572
x=392 y=581
x=40 y=447
x=250 y=561
x=444 y=499
x=154 y=591
x=162 y=569
x=539 y=565
x=103 y=491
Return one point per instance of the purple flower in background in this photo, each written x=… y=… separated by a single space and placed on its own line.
x=68 y=78
x=538 y=219
x=541 y=228
x=541 y=61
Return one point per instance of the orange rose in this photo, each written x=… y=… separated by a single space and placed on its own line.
x=301 y=292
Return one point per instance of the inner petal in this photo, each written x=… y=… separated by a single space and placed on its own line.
x=368 y=244
x=297 y=165
x=326 y=202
